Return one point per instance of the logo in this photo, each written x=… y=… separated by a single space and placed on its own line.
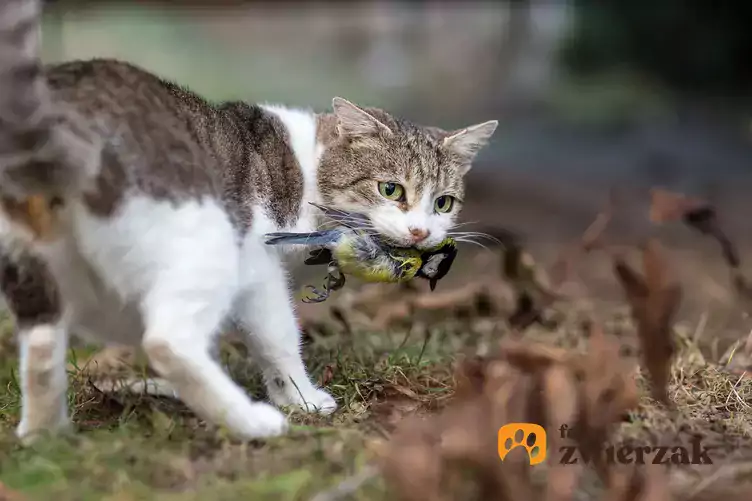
x=532 y=437
x=627 y=454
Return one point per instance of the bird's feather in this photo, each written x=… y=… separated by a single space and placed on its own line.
x=314 y=238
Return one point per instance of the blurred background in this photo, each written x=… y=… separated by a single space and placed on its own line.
x=588 y=94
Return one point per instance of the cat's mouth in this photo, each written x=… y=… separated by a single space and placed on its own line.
x=397 y=242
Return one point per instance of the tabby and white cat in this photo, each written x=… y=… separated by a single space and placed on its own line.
x=155 y=204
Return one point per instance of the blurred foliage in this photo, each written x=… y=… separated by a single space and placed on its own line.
x=693 y=46
x=216 y=50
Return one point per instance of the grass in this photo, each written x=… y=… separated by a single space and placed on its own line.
x=133 y=447
x=140 y=448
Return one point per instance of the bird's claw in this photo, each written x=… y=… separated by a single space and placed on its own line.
x=335 y=280
x=320 y=296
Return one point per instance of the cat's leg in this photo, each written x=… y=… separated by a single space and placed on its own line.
x=42 y=336
x=44 y=380
x=265 y=313
x=184 y=307
x=180 y=328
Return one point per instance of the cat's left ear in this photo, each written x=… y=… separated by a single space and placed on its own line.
x=466 y=143
x=355 y=122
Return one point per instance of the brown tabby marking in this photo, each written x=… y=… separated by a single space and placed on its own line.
x=29 y=289
x=412 y=153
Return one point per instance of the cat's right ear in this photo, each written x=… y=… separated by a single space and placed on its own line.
x=466 y=143
x=354 y=122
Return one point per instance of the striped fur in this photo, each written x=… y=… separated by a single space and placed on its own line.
x=41 y=151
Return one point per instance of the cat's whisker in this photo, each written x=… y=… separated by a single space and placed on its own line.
x=369 y=230
x=474 y=234
x=354 y=224
x=467 y=241
x=340 y=216
x=465 y=223
x=478 y=235
x=347 y=221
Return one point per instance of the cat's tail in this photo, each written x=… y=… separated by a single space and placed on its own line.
x=44 y=156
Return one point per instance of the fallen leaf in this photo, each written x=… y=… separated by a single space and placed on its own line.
x=702 y=217
x=654 y=299
x=326 y=376
x=667 y=206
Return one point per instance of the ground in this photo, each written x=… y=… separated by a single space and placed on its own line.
x=131 y=448
x=141 y=447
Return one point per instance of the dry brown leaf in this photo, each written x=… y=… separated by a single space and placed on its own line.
x=327 y=375
x=532 y=358
x=410 y=464
x=623 y=485
x=536 y=288
x=654 y=485
x=560 y=391
x=664 y=296
x=637 y=483
x=607 y=394
x=528 y=383
x=666 y=206
x=469 y=377
x=702 y=217
x=463 y=297
x=654 y=299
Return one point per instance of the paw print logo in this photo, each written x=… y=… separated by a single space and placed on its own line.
x=528 y=435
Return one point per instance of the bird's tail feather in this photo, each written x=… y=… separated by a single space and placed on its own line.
x=313 y=239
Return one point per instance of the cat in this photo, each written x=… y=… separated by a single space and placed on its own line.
x=133 y=212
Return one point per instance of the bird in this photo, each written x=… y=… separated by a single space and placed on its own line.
x=349 y=250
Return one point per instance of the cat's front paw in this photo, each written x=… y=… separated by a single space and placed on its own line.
x=264 y=422
x=311 y=400
x=318 y=401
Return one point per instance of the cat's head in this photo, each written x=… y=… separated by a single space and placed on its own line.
x=407 y=179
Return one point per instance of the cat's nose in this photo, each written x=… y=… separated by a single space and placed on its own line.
x=419 y=234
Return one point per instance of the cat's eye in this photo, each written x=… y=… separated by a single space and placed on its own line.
x=443 y=204
x=392 y=191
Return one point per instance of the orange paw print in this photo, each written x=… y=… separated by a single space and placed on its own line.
x=530 y=436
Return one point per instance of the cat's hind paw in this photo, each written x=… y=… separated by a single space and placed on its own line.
x=28 y=434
